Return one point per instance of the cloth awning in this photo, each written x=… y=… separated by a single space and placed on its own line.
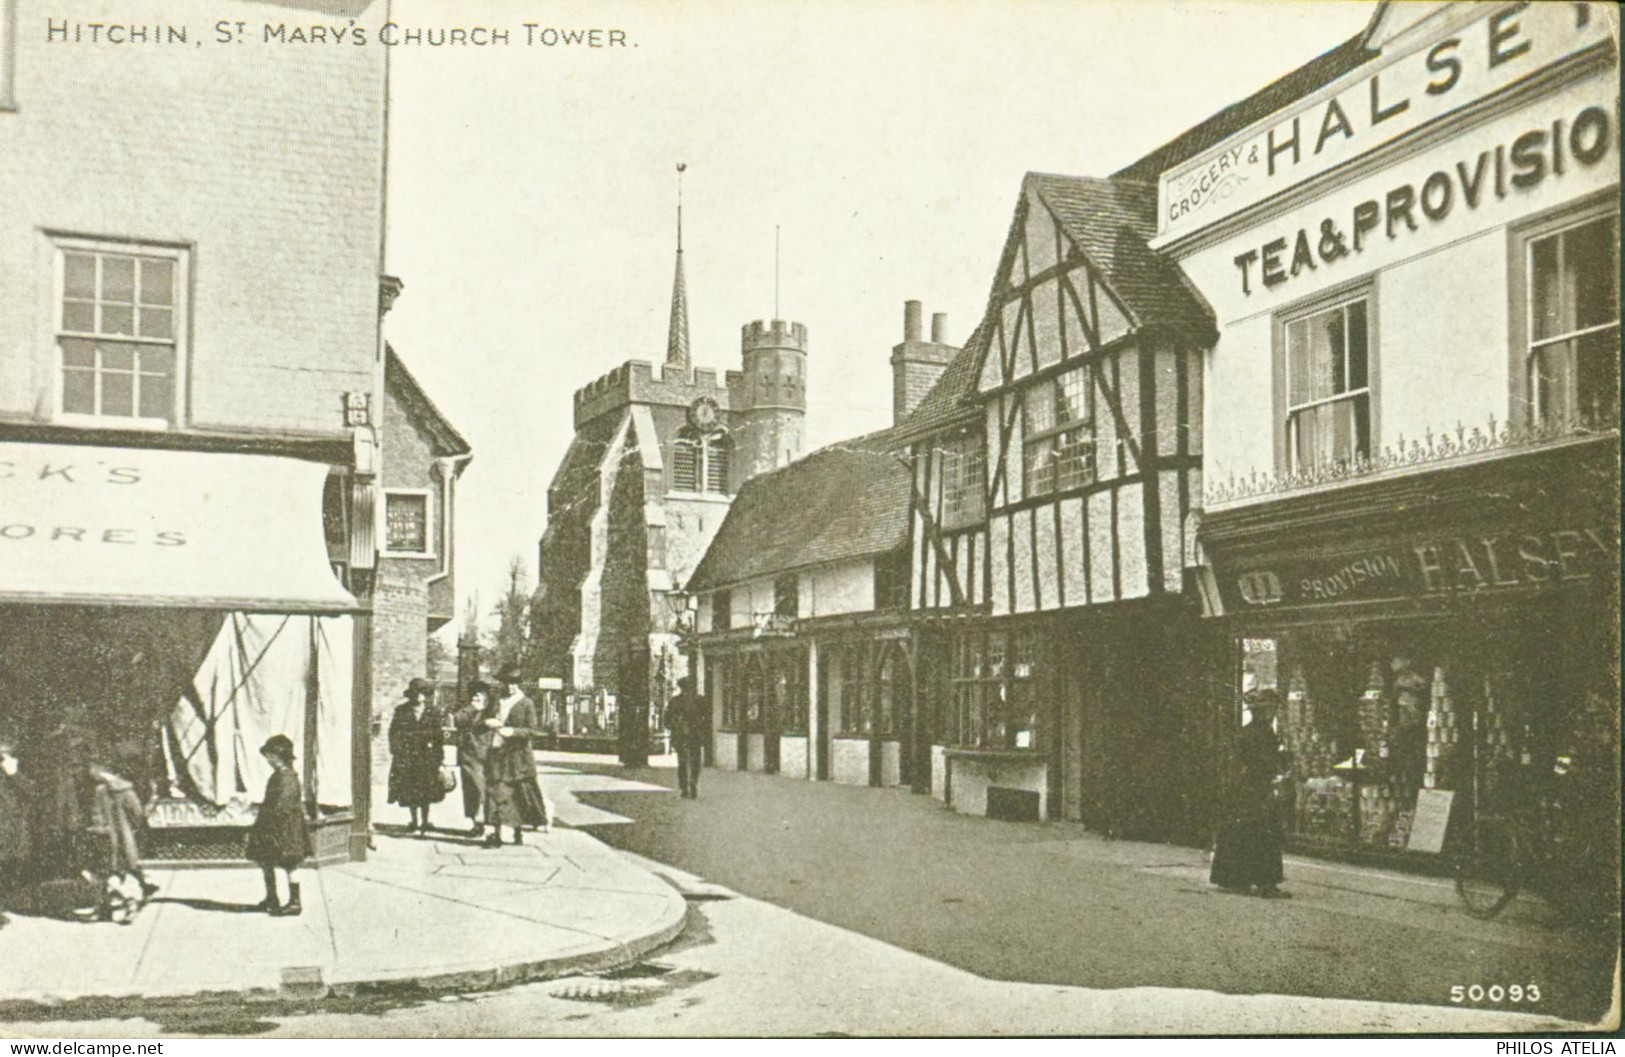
x=122 y=526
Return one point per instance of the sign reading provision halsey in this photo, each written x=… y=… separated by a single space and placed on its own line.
x=1430 y=566
x=1373 y=106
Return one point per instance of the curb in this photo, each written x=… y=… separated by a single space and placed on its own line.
x=303 y=995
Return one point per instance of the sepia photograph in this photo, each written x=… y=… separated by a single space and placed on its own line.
x=809 y=519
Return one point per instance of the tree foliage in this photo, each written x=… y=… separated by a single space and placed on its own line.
x=510 y=642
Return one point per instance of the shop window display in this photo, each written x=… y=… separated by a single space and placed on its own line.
x=1371 y=719
x=993 y=702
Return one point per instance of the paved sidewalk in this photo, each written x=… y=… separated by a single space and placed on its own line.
x=436 y=913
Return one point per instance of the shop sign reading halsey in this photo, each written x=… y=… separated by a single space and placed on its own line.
x=1441 y=566
x=1369 y=108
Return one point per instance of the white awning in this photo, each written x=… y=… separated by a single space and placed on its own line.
x=123 y=526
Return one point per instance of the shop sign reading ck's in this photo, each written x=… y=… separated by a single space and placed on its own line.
x=1376 y=104
x=120 y=526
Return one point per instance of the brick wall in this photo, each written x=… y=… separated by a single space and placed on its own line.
x=264 y=159
x=916 y=367
x=400 y=645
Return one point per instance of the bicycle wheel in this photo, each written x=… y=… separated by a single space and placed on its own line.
x=1489 y=870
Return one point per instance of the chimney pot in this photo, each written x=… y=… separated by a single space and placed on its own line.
x=939 y=328
x=911 y=321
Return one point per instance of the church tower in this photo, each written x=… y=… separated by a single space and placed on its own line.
x=770 y=403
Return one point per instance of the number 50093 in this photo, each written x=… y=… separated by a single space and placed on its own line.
x=1476 y=993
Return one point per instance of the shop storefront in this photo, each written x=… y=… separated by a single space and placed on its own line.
x=1410 y=514
x=832 y=703
x=163 y=613
x=1097 y=717
x=1442 y=641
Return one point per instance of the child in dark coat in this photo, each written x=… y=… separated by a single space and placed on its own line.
x=280 y=838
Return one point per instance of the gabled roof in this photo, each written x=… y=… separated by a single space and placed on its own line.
x=448 y=442
x=849 y=500
x=951 y=401
x=1112 y=221
x=1282 y=92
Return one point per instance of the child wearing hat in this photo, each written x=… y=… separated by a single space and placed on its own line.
x=280 y=838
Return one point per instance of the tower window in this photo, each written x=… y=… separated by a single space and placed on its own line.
x=686 y=456
x=700 y=463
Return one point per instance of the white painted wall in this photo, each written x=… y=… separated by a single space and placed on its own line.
x=939 y=774
x=793 y=758
x=1442 y=295
x=725 y=751
x=839 y=587
x=973 y=776
x=850 y=761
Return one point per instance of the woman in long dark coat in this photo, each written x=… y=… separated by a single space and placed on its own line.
x=16 y=838
x=415 y=743
x=473 y=746
x=1248 y=850
x=513 y=795
x=280 y=838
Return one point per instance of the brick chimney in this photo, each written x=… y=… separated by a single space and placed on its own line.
x=916 y=364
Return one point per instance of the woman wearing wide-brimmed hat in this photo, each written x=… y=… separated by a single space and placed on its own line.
x=513 y=796
x=280 y=838
x=1247 y=852
x=415 y=743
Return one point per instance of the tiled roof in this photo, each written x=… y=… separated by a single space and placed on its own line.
x=1111 y=221
x=1282 y=92
x=423 y=409
x=849 y=500
x=951 y=399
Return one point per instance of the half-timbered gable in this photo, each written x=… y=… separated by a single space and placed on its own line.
x=948 y=507
x=1089 y=382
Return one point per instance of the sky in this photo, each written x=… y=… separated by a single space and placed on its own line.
x=532 y=188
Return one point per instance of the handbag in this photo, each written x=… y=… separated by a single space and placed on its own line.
x=448 y=779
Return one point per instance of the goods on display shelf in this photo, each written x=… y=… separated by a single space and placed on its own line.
x=1380 y=806
x=1401 y=834
x=1443 y=733
x=1323 y=806
x=1373 y=711
x=1312 y=755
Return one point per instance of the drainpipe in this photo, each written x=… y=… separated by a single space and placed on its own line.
x=449 y=470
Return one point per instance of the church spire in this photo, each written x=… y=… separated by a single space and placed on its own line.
x=677 y=333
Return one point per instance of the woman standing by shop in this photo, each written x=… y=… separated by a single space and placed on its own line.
x=415 y=743
x=1248 y=850
x=280 y=838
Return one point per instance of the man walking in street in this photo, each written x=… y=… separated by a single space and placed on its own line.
x=688 y=716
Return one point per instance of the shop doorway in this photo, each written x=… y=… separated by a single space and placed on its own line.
x=894 y=687
x=1085 y=689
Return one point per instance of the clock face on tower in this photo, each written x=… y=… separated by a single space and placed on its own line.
x=704 y=415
